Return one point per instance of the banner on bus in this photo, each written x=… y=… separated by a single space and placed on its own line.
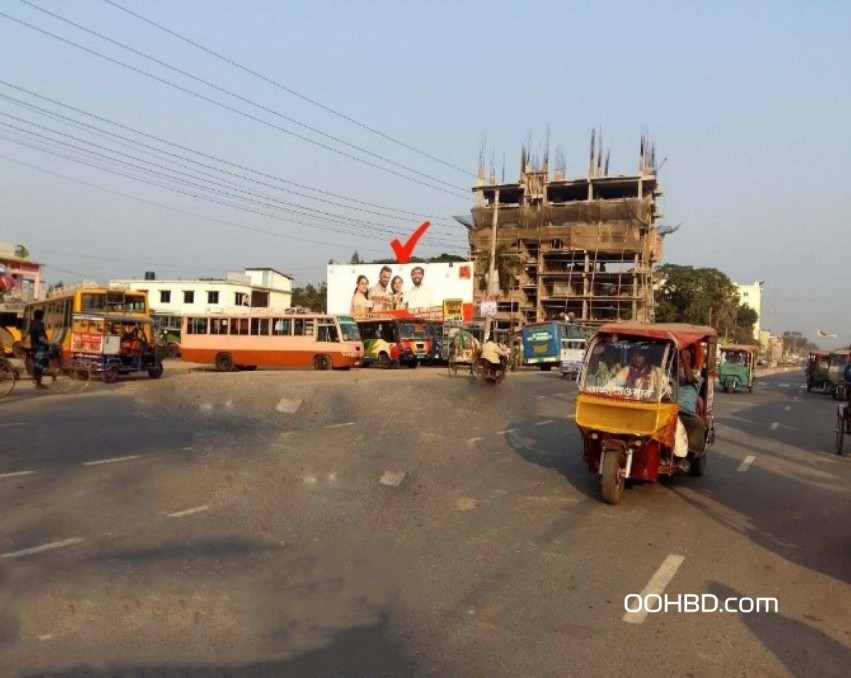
x=412 y=289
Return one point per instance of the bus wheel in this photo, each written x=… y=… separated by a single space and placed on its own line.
x=322 y=362
x=546 y=367
x=383 y=360
x=224 y=362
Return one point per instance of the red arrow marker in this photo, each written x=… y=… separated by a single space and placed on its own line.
x=403 y=252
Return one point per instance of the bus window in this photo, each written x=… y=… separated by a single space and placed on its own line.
x=304 y=327
x=196 y=325
x=260 y=327
x=327 y=331
x=239 y=326
x=218 y=326
x=283 y=326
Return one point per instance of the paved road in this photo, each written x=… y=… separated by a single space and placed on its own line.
x=236 y=524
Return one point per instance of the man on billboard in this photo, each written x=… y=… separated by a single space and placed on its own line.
x=418 y=296
x=380 y=294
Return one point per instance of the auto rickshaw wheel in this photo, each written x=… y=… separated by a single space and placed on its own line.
x=156 y=372
x=224 y=362
x=612 y=478
x=698 y=465
x=110 y=375
x=729 y=385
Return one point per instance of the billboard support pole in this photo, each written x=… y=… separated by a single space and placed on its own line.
x=492 y=262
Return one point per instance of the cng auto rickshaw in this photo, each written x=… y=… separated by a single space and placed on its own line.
x=816 y=369
x=641 y=411
x=738 y=366
x=835 y=382
x=111 y=344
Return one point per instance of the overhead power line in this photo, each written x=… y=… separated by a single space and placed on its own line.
x=288 y=90
x=197 y=152
x=242 y=113
x=236 y=96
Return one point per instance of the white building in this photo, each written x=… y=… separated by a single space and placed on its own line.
x=256 y=287
x=751 y=295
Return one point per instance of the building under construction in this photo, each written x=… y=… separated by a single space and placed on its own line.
x=580 y=248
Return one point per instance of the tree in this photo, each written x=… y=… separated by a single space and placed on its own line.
x=21 y=252
x=314 y=298
x=506 y=264
x=356 y=258
x=703 y=296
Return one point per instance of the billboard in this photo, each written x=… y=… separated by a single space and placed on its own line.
x=363 y=290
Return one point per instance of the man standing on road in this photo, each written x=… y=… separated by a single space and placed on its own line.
x=39 y=346
x=846 y=378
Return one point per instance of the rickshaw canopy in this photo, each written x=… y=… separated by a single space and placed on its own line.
x=747 y=348
x=680 y=334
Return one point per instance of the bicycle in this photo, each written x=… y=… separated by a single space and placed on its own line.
x=66 y=375
x=8 y=377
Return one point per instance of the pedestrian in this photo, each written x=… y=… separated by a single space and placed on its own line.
x=39 y=347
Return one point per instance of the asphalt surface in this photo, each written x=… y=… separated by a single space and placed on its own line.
x=237 y=524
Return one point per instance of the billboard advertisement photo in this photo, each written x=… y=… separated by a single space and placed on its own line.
x=418 y=289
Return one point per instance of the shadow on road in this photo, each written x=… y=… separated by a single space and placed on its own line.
x=361 y=651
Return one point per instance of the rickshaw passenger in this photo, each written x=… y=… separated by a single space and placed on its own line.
x=640 y=374
x=689 y=401
x=608 y=367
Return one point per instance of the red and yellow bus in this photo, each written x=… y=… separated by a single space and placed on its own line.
x=248 y=338
x=60 y=306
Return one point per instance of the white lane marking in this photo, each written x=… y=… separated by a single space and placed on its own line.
x=559 y=394
x=745 y=465
x=16 y=474
x=783 y=385
x=187 y=512
x=508 y=430
x=660 y=579
x=185 y=449
x=470 y=441
x=542 y=396
x=43 y=547
x=571 y=416
x=787 y=408
x=110 y=461
x=15 y=423
x=544 y=422
x=348 y=423
x=775 y=425
x=796 y=397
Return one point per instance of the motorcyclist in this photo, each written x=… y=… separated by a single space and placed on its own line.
x=40 y=347
x=494 y=353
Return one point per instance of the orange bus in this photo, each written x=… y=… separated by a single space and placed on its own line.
x=248 y=338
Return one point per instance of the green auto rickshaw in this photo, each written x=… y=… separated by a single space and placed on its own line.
x=835 y=383
x=738 y=366
x=816 y=370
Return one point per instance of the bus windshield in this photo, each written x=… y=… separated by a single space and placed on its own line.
x=349 y=328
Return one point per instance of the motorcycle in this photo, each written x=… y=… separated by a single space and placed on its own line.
x=491 y=373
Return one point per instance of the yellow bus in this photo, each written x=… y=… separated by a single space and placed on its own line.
x=248 y=338
x=60 y=305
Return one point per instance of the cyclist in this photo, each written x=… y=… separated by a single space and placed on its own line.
x=39 y=346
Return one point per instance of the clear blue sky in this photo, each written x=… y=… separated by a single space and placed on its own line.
x=749 y=103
